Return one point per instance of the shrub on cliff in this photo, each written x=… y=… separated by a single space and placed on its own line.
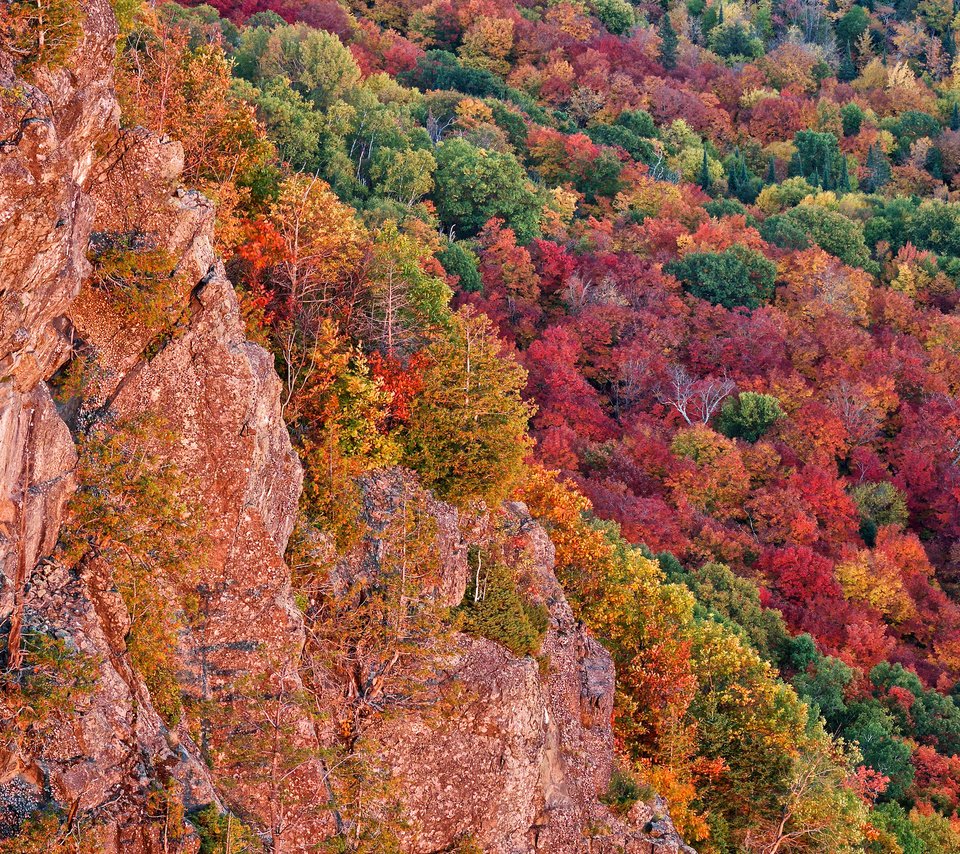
x=223 y=832
x=45 y=688
x=40 y=32
x=494 y=608
x=133 y=511
x=142 y=285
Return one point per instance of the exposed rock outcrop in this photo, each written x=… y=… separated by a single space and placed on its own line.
x=520 y=761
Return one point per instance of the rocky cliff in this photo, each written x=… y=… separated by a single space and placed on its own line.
x=522 y=750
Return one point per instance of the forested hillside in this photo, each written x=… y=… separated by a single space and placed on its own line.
x=683 y=279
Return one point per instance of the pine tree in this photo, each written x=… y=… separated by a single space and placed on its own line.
x=720 y=16
x=771 y=172
x=742 y=183
x=878 y=170
x=955 y=117
x=828 y=167
x=847 y=70
x=705 y=181
x=843 y=176
x=668 y=43
x=795 y=168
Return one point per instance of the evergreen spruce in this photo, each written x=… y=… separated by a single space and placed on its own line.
x=705 y=173
x=795 y=168
x=955 y=117
x=668 y=43
x=843 y=176
x=847 y=70
x=878 y=169
x=828 y=167
x=771 y=172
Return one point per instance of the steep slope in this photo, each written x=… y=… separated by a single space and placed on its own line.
x=524 y=751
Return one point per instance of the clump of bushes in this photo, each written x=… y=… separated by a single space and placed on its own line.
x=46 y=687
x=623 y=792
x=879 y=504
x=733 y=278
x=223 y=832
x=141 y=283
x=749 y=415
x=494 y=608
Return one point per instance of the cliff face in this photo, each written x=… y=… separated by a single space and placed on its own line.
x=522 y=751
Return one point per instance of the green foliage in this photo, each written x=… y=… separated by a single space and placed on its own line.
x=405 y=175
x=668 y=42
x=735 y=277
x=852 y=117
x=735 y=43
x=440 y=69
x=223 y=832
x=704 y=179
x=623 y=791
x=847 y=70
x=203 y=21
x=293 y=123
x=467 y=432
x=878 y=170
x=134 y=510
x=735 y=603
x=141 y=284
x=910 y=126
x=823 y=683
x=316 y=62
x=602 y=179
x=406 y=303
x=622 y=137
x=851 y=25
x=875 y=732
x=40 y=33
x=749 y=415
x=894 y=819
x=830 y=230
x=494 y=608
x=740 y=180
x=616 y=15
x=638 y=122
x=719 y=208
x=818 y=158
x=459 y=261
x=47 y=688
x=475 y=185
x=879 y=504
x=934 y=831
x=933 y=717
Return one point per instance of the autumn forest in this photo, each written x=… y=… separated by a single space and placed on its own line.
x=683 y=277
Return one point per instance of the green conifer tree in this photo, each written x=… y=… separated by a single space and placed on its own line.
x=847 y=70
x=668 y=43
x=704 y=180
x=878 y=170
